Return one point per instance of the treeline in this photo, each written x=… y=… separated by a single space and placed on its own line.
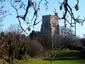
x=20 y=46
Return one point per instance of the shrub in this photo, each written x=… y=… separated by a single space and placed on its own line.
x=34 y=48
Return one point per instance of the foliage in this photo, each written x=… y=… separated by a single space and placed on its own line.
x=2 y=61
x=34 y=48
x=66 y=39
x=44 y=40
x=14 y=44
x=83 y=41
x=18 y=46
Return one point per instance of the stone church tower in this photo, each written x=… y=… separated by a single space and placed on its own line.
x=50 y=25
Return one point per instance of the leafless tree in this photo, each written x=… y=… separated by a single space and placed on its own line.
x=14 y=28
x=36 y=7
x=69 y=11
x=65 y=31
x=3 y=12
x=21 y=4
x=26 y=7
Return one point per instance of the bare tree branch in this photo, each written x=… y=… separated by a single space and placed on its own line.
x=18 y=17
x=68 y=10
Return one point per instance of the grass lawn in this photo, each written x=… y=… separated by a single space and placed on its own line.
x=69 y=55
x=48 y=62
x=62 y=57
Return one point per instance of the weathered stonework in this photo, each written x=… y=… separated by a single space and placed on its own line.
x=50 y=29
x=50 y=25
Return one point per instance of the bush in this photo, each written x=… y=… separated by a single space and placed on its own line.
x=34 y=48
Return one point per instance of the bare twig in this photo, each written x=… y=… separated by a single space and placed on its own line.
x=68 y=10
x=30 y=3
x=18 y=17
x=46 y=4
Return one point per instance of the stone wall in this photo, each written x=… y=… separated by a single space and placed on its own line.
x=50 y=25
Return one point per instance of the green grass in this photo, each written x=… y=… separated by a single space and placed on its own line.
x=69 y=55
x=64 y=51
x=48 y=62
x=62 y=57
x=38 y=61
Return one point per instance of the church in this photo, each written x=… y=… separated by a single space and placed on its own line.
x=50 y=25
x=49 y=29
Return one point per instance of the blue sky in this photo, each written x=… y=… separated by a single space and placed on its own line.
x=11 y=19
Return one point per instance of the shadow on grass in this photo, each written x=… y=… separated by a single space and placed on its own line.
x=70 y=56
